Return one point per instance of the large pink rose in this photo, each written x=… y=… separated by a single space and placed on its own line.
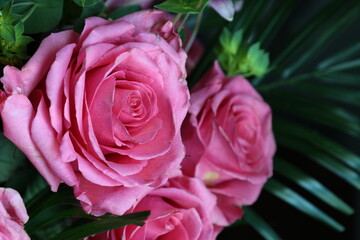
x=13 y=215
x=102 y=111
x=229 y=140
x=182 y=209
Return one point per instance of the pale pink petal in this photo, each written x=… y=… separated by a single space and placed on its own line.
x=163 y=167
x=44 y=138
x=17 y=116
x=14 y=205
x=90 y=24
x=117 y=201
x=55 y=85
x=24 y=81
x=118 y=32
x=225 y=8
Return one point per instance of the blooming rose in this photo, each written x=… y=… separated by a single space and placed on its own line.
x=229 y=140
x=180 y=210
x=13 y=215
x=102 y=111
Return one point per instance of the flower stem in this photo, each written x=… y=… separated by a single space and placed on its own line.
x=177 y=17
x=183 y=22
x=194 y=33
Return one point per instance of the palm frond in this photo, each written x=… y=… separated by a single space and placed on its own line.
x=313 y=87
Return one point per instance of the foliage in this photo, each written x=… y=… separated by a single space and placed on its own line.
x=311 y=81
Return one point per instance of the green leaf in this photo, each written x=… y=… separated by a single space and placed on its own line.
x=37 y=185
x=259 y=224
x=8 y=33
x=88 y=11
x=308 y=29
x=7 y=14
x=321 y=158
x=39 y=15
x=316 y=110
x=346 y=79
x=182 y=34
x=183 y=6
x=10 y=158
x=275 y=20
x=102 y=225
x=3 y=2
x=297 y=201
x=312 y=185
x=285 y=129
x=6 y=8
x=342 y=55
x=86 y=3
x=249 y=15
x=37 y=204
x=323 y=39
x=340 y=94
x=344 y=66
x=42 y=220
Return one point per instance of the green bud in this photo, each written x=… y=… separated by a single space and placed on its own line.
x=257 y=60
x=237 y=57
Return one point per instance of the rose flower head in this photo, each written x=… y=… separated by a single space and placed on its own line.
x=181 y=209
x=101 y=111
x=229 y=140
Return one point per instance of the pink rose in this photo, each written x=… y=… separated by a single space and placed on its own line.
x=13 y=215
x=229 y=140
x=180 y=210
x=102 y=111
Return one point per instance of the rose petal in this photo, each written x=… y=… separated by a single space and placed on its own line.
x=225 y=8
x=17 y=116
x=14 y=205
x=25 y=80
x=54 y=85
x=44 y=138
x=88 y=194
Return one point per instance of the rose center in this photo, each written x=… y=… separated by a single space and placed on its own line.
x=245 y=130
x=128 y=105
x=173 y=221
x=135 y=103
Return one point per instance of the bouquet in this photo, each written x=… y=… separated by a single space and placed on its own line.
x=169 y=119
